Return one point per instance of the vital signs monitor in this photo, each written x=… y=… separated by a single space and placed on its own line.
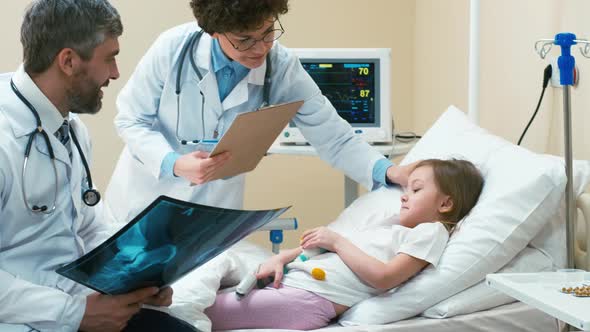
x=357 y=83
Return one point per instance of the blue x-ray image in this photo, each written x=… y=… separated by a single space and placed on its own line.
x=166 y=241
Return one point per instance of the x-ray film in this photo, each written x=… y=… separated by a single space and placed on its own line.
x=163 y=243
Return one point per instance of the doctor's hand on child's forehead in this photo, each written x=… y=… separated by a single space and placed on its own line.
x=418 y=173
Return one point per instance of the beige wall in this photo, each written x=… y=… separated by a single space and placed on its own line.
x=511 y=72
x=440 y=59
x=429 y=42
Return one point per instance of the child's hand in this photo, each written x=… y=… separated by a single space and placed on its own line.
x=321 y=237
x=273 y=267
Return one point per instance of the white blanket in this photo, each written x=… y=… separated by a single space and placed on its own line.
x=197 y=290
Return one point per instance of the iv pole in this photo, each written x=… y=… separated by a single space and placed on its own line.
x=566 y=64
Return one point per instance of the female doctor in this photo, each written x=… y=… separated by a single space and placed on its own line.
x=189 y=87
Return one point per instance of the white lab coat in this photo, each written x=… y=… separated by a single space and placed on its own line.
x=32 y=245
x=147 y=117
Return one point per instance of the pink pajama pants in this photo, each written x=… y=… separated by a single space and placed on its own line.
x=282 y=308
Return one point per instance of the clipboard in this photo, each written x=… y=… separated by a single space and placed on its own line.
x=250 y=136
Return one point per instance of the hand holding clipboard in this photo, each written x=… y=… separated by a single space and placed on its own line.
x=250 y=136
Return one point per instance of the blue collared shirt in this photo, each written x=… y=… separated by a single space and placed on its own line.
x=228 y=72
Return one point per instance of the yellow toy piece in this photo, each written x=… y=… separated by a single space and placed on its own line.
x=318 y=274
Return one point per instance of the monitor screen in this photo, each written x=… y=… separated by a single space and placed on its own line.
x=356 y=81
x=349 y=84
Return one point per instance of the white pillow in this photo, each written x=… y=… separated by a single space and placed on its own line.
x=547 y=248
x=551 y=240
x=384 y=204
x=546 y=252
x=522 y=189
x=369 y=211
x=481 y=296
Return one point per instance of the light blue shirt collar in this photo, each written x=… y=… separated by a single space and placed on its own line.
x=228 y=73
x=220 y=60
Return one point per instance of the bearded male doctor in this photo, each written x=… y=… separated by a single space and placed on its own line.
x=50 y=213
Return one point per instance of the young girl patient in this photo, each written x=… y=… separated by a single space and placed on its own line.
x=361 y=263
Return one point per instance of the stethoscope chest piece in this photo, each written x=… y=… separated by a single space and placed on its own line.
x=91 y=197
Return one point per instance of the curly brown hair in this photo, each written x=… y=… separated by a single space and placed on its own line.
x=236 y=15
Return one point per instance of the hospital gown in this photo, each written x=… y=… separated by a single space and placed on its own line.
x=426 y=241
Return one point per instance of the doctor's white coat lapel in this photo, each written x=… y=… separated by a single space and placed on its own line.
x=208 y=84
x=240 y=92
x=48 y=114
x=79 y=176
x=59 y=150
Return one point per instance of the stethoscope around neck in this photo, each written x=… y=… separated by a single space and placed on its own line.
x=90 y=196
x=191 y=45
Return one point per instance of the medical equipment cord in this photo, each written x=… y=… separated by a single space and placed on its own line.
x=546 y=77
x=410 y=136
x=407 y=136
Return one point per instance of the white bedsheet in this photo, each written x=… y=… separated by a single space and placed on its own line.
x=197 y=291
x=510 y=317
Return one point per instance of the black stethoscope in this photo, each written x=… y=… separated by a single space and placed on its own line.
x=90 y=196
x=191 y=44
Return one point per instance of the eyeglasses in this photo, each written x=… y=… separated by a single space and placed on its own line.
x=248 y=43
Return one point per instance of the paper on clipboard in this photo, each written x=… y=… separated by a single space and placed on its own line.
x=250 y=136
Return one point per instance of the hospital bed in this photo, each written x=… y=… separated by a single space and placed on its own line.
x=522 y=202
x=511 y=317
x=514 y=316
